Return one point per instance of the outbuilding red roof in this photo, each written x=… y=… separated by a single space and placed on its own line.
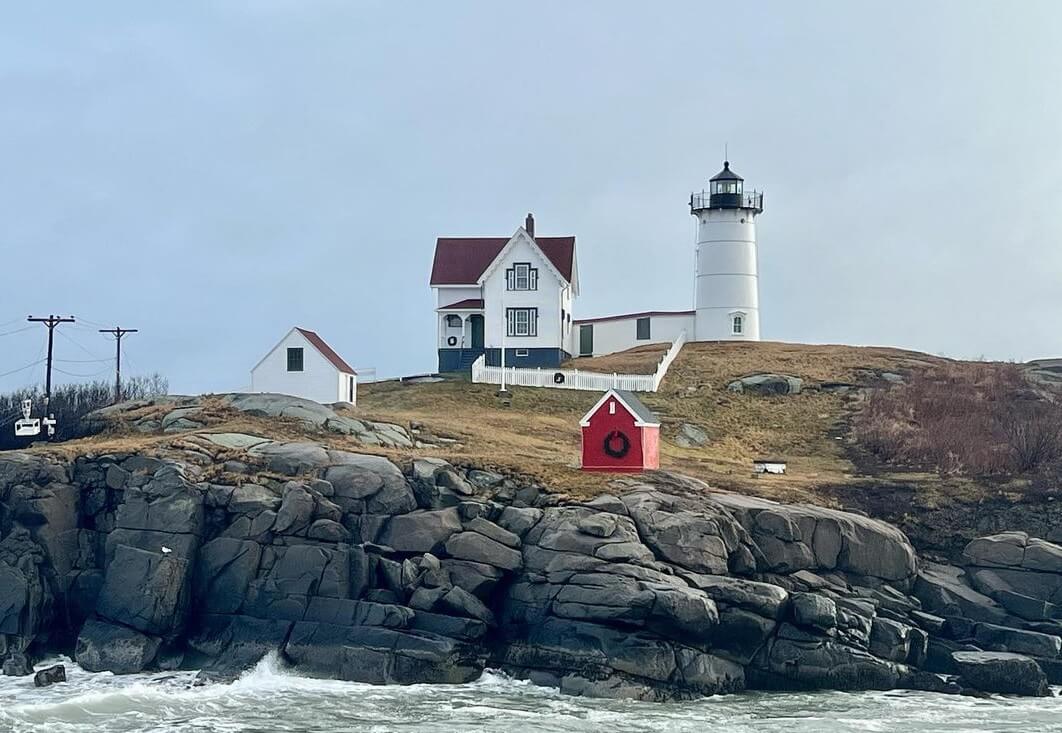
x=326 y=351
x=464 y=305
x=462 y=260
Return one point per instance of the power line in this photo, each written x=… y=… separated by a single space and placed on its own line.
x=17 y=330
x=83 y=376
x=78 y=344
x=20 y=369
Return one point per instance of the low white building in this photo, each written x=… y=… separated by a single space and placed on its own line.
x=303 y=365
x=607 y=335
x=514 y=291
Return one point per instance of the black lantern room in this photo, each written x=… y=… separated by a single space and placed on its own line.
x=726 y=190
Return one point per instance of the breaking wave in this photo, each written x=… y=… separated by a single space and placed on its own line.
x=270 y=697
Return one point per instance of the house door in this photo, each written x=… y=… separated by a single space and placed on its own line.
x=477 y=331
x=586 y=340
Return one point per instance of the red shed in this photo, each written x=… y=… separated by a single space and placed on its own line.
x=620 y=434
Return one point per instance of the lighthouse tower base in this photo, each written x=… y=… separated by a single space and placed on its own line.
x=718 y=324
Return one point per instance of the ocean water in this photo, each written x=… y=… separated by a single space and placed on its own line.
x=271 y=698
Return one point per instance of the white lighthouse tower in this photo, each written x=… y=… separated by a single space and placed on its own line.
x=728 y=298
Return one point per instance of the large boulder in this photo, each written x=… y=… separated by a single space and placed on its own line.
x=106 y=647
x=421 y=531
x=767 y=384
x=225 y=569
x=144 y=590
x=943 y=590
x=1002 y=672
x=264 y=404
x=799 y=536
x=368 y=484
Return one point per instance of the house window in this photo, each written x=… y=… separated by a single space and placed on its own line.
x=522 y=352
x=521 y=321
x=295 y=360
x=643 y=329
x=738 y=325
x=453 y=321
x=521 y=276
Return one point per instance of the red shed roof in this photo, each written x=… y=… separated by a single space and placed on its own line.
x=643 y=416
x=326 y=351
x=462 y=260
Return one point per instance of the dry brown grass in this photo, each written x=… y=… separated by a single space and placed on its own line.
x=639 y=360
x=538 y=434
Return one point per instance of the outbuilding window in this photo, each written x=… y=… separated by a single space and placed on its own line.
x=642 y=328
x=295 y=359
x=521 y=276
x=521 y=321
x=453 y=321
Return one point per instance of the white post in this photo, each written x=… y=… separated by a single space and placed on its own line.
x=504 y=326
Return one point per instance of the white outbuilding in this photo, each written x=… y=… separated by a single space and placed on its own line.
x=303 y=365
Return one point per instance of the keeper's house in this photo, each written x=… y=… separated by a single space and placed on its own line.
x=620 y=434
x=515 y=292
x=303 y=365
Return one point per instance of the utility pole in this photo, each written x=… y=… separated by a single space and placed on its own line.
x=51 y=322
x=118 y=332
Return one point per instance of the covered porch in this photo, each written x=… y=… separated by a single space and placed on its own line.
x=461 y=335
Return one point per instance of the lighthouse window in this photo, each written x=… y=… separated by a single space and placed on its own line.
x=739 y=325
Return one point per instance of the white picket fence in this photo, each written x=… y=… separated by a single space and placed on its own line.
x=575 y=379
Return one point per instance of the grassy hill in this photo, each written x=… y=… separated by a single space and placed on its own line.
x=925 y=442
x=539 y=433
x=942 y=413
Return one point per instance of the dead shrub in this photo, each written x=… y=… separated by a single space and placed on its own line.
x=962 y=418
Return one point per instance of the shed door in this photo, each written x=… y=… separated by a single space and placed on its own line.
x=586 y=340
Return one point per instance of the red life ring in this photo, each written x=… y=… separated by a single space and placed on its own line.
x=624 y=444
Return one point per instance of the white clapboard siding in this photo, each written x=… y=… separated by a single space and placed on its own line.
x=575 y=379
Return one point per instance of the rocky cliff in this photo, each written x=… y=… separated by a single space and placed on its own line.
x=225 y=546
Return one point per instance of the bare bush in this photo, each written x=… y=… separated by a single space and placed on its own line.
x=963 y=418
x=71 y=402
x=1034 y=436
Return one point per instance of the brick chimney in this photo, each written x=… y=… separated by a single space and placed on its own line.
x=529 y=225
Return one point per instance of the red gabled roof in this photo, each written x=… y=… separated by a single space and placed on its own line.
x=464 y=305
x=326 y=351
x=462 y=260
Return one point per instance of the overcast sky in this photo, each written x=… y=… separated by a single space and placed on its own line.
x=214 y=173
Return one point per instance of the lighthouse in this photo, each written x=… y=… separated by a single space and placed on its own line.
x=728 y=298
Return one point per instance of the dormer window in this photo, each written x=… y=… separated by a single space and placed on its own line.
x=521 y=276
